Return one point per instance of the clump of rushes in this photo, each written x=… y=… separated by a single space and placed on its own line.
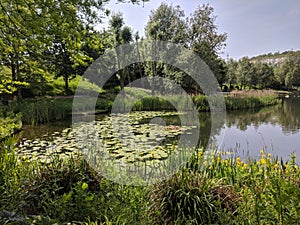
x=190 y=197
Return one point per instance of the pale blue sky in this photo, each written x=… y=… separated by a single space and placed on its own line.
x=253 y=26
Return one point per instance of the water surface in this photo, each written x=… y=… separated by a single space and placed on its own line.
x=275 y=130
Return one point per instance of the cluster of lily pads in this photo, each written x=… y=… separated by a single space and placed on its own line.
x=133 y=137
x=60 y=144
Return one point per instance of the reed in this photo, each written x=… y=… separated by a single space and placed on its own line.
x=35 y=111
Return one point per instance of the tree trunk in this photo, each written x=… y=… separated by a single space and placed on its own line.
x=153 y=78
x=13 y=72
x=66 y=85
x=18 y=78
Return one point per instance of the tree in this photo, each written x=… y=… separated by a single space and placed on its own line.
x=289 y=72
x=231 y=76
x=265 y=75
x=29 y=28
x=122 y=35
x=246 y=73
x=167 y=23
x=205 y=41
x=199 y=33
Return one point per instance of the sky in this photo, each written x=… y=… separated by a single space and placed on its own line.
x=253 y=27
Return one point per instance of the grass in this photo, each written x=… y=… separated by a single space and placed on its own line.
x=237 y=100
x=44 y=110
x=86 y=86
x=211 y=189
x=9 y=124
x=234 y=103
x=41 y=110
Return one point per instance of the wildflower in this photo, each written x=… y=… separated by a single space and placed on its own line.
x=238 y=161
x=226 y=162
x=276 y=165
x=200 y=154
x=262 y=161
x=262 y=152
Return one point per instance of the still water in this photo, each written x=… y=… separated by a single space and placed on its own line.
x=275 y=130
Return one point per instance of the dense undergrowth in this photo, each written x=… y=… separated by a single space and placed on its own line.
x=210 y=189
x=9 y=123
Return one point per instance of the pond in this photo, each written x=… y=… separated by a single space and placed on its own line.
x=275 y=130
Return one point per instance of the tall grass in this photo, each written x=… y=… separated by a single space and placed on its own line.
x=35 y=111
x=224 y=190
x=210 y=189
x=64 y=190
x=216 y=190
x=201 y=102
x=234 y=103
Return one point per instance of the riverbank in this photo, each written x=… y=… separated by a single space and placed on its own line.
x=210 y=189
x=44 y=110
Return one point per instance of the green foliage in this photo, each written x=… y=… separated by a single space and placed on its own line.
x=65 y=190
x=262 y=187
x=278 y=71
x=153 y=103
x=213 y=188
x=86 y=86
x=201 y=103
x=239 y=102
x=233 y=103
x=42 y=110
x=8 y=86
x=192 y=198
x=9 y=124
x=197 y=33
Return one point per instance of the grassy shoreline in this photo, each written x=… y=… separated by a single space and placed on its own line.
x=44 y=110
x=211 y=189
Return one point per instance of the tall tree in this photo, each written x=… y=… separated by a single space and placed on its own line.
x=246 y=75
x=204 y=39
x=231 y=76
x=122 y=35
x=265 y=75
x=29 y=28
x=199 y=33
x=166 y=23
x=289 y=72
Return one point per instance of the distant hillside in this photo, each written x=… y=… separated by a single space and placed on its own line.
x=275 y=58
